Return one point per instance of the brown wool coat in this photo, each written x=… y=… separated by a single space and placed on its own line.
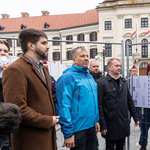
x=23 y=85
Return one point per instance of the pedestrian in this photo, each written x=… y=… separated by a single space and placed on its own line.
x=77 y=104
x=94 y=70
x=5 y=141
x=134 y=72
x=145 y=123
x=114 y=103
x=26 y=83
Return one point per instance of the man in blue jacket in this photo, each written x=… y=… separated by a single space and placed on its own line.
x=77 y=104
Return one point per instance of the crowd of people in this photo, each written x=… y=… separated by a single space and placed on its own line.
x=83 y=101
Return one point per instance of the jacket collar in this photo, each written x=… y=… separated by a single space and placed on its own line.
x=35 y=69
x=81 y=69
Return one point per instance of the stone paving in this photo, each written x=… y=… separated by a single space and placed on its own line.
x=133 y=139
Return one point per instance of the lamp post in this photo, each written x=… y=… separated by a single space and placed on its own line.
x=103 y=60
x=101 y=54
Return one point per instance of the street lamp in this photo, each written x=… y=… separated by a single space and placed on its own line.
x=101 y=54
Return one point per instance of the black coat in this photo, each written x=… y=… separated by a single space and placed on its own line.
x=113 y=108
x=1 y=90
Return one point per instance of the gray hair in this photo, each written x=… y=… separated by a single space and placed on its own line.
x=110 y=61
x=74 y=51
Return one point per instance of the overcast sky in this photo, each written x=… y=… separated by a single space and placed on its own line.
x=55 y=7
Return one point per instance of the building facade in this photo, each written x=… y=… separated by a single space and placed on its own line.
x=111 y=22
x=118 y=20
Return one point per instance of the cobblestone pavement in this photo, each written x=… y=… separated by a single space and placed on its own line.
x=133 y=139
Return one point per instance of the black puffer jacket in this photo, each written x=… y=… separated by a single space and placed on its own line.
x=113 y=108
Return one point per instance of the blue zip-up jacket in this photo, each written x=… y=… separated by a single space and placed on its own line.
x=77 y=104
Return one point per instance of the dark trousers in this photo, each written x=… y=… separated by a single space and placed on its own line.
x=111 y=144
x=85 y=139
x=145 y=127
x=138 y=110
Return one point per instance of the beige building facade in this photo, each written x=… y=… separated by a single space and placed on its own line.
x=118 y=20
x=111 y=22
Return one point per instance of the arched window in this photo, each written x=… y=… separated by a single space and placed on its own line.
x=128 y=41
x=144 y=48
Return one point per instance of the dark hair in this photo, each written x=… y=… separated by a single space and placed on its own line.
x=5 y=43
x=74 y=51
x=30 y=35
x=10 y=117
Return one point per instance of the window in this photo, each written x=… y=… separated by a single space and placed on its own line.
x=69 y=55
x=23 y=26
x=128 y=23
x=69 y=37
x=93 y=36
x=144 y=48
x=128 y=41
x=93 y=52
x=144 y=22
x=81 y=37
x=107 y=25
x=56 y=55
x=9 y=42
x=46 y=25
x=108 y=50
x=56 y=42
x=18 y=44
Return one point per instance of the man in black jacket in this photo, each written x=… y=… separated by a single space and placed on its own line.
x=94 y=70
x=114 y=103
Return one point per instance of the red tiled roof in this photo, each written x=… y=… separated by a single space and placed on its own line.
x=56 y=22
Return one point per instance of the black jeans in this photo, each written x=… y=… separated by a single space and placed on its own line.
x=85 y=139
x=111 y=144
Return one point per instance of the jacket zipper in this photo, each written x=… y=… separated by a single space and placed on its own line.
x=78 y=101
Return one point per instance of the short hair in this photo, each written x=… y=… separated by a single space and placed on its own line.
x=5 y=43
x=93 y=61
x=110 y=61
x=74 y=51
x=30 y=35
x=10 y=117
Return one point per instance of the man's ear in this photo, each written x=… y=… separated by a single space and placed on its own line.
x=74 y=62
x=31 y=46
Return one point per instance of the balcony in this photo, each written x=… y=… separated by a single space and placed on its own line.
x=138 y=56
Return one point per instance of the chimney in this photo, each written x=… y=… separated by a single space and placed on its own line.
x=45 y=13
x=5 y=16
x=25 y=14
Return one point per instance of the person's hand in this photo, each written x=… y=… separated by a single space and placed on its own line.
x=136 y=123
x=70 y=143
x=5 y=66
x=104 y=132
x=55 y=120
x=97 y=127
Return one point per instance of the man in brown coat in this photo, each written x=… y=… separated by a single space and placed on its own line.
x=27 y=84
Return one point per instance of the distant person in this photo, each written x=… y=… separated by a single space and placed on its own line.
x=114 y=102
x=77 y=104
x=26 y=83
x=94 y=70
x=134 y=72
x=146 y=123
x=5 y=141
x=53 y=81
x=10 y=115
